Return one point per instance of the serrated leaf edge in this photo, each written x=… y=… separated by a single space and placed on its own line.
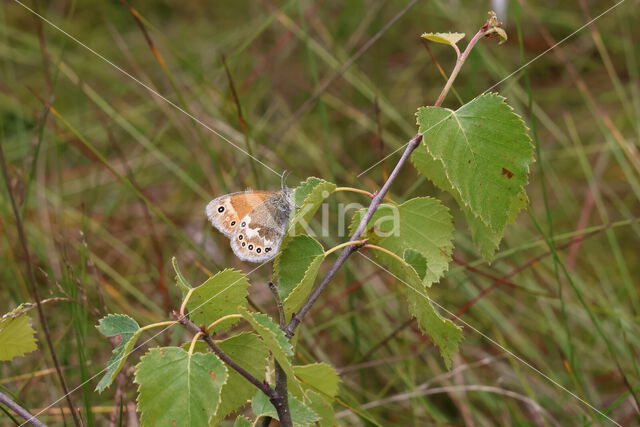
x=148 y=353
x=299 y=285
x=321 y=392
x=430 y=301
x=16 y=314
x=288 y=348
x=442 y=36
x=230 y=322
x=503 y=99
x=296 y=214
x=448 y=248
x=126 y=351
x=288 y=354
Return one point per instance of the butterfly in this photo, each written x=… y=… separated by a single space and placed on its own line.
x=254 y=221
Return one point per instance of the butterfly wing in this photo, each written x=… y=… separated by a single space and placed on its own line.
x=259 y=234
x=226 y=211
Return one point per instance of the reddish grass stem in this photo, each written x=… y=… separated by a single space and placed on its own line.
x=22 y=239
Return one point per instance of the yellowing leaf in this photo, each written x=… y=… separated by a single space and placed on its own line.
x=499 y=32
x=444 y=38
x=17 y=337
x=177 y=388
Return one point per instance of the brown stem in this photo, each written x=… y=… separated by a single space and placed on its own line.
x=263 y=386
x=281 y=403
x=346 y=252
x=6 y=401
x=22 y=238
x=278 y=400
x=375 y=202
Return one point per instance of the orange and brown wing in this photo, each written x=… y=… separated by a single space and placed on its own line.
x=226 y=211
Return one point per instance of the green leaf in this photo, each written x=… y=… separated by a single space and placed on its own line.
x=293 y=261
x=129 y=331
x=180 y=280
x=444 y=38
x=323 y=407
x=486 y=238
x=424 y=236
x=444 y=333
x=242 y=422
x=296 y=267
x=308 y=197
x=218 y=296
x=274 y=339
x=416 y=260
x=301 y=415
x=485 y=152
x=178 y=388
x=420 y=226
x=300 y=294
x=249 y=352
x=17 y=336
x=200 y=347
x=273 y=336
x=320 y=377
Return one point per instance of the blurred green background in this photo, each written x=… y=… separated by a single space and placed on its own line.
x=112 y=182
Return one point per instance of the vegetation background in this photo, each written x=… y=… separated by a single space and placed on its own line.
x=114 y=183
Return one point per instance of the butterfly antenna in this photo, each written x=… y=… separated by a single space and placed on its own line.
x=283 y=177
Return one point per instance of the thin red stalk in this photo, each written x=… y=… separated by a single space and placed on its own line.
x=22 y=240
x=456 y=69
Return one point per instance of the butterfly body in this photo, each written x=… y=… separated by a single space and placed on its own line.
x=254 y=221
